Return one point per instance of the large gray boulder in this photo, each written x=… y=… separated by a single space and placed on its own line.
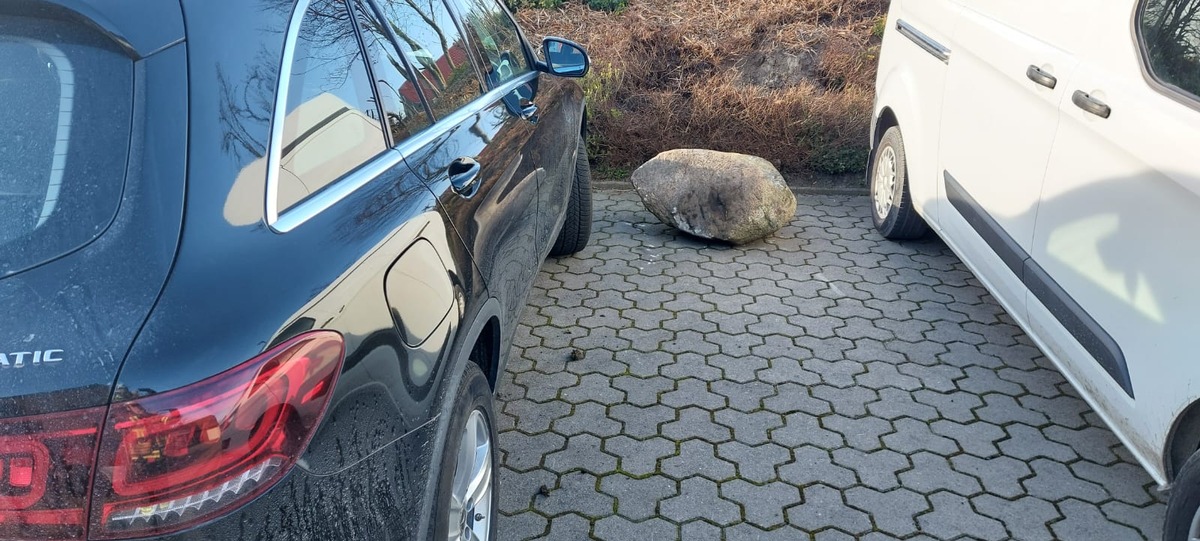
x=716 y=195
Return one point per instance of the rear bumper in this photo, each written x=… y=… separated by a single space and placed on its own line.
x=379 y=498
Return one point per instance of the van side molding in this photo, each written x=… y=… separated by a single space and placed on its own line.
x=1086 y=330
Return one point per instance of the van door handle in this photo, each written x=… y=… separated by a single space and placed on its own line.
x=1092 y=105
x=1039 y=76
x=464 y=175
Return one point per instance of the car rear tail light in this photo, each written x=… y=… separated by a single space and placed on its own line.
x=45 y=471
x=167 y=461
x=173 y=460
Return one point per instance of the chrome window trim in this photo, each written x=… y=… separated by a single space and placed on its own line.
x=364 y=174
x=930 y=45
x=275 y=148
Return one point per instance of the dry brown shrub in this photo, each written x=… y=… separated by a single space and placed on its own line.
x=788 y=80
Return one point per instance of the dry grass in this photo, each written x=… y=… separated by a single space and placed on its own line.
x=788 y=80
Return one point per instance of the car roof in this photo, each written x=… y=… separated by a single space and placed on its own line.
x=142 y=27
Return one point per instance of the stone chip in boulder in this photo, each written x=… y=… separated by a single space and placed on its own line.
x=716 y=195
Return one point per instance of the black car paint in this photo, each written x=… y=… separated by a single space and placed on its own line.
x=91 y=302
x=521 y=164
x=236 y=287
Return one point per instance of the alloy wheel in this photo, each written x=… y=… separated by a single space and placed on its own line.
x=471 y=509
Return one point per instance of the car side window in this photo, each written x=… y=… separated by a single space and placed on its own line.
x=436 y=50
x=331 y=124
x=398 y=94
x=1170 y=31
x=498 y=38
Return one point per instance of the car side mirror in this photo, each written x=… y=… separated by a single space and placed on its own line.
x=565 y=58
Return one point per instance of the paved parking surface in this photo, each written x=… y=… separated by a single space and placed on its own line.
x=823 y=384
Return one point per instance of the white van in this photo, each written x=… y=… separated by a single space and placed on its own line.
x=1055 y=146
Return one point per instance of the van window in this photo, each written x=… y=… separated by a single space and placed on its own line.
x=1171 y=37
x=436 y=50
x=331 y=125
x=67 y=109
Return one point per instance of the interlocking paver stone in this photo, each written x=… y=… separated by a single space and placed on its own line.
x=1026 y=518
x=522 y=526
x=697 y=458
x=792 y=397
x=643 y=391
x=762 y=505
x=802 y=429
x=814 y=465
x=698 y=498
x=749 y=428
x=977 y=438
x=576 y=493
x=1086 y=521
x=582 y=452
x=637 y=499
x=952 y=517
x=861 y=433
x=641 y=422
x=1001 y=475
x=895 y=511
x=619 y=528
x=877 y=469
x=1054 y=481
x=913 y=436
x=521 y=488
x=588 y=418
x=821 y=384
x=700 y=531
x=754 y=464
x=639 y=457
x=570 y=526
x=931 y=473
x=824 y=507
x=696 y=423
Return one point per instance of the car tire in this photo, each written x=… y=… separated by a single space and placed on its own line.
x=891 y=202
x=1183 y=508
x=577 y=227
x=472 y=416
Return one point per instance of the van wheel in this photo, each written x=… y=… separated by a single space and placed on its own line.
x=577 y=228
x=1183 y=508
x=891 y=202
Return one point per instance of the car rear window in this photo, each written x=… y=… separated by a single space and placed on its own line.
x=66 y=98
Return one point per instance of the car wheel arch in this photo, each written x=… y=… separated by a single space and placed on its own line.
x=898 y=103
x=886 y=119
x=486 y=350
x=1182 y=441
x=481 y=344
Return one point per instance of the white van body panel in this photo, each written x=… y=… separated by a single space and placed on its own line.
x=1098 y=214
x=911 y=83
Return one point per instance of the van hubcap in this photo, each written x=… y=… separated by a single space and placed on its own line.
x=471 y=493
x=883 y=189
x=1194 y=531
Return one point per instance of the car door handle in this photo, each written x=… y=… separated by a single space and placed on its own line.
x=1039 y=76
x=1085 y=101
x=464 y=175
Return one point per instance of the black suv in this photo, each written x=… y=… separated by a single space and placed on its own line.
x=261 y=261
